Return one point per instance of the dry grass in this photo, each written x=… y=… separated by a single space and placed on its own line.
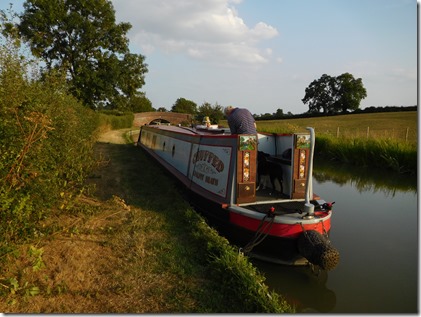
x=104 y=263
x=136 y=246
x=105 y=256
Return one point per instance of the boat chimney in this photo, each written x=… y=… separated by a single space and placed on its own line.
x=309 y=207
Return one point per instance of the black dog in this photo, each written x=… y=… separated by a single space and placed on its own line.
x=268 y=167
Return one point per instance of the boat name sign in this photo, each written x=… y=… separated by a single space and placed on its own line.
x=209 y=167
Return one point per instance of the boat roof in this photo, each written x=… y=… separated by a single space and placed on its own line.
x=193 y=130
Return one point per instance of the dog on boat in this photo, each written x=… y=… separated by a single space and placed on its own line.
x=267 y=167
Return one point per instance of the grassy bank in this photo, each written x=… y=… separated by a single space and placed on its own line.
x=386 y=154
x=132 y=246
x=381 y=140
x=122 y=242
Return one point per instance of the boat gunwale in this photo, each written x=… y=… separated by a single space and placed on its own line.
x=289 y=219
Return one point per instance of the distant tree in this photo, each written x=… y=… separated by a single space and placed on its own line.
x=183 y=105
x=278 y=114
x=320 y=94
x=162 y=109
x=266 y=116
x=334 y=94
x=215 y=112
x=349 y=93
x=83 y=38
x=140 y=103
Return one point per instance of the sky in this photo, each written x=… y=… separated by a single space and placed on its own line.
x=263 y=54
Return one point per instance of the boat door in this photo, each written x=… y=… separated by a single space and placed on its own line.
x=246 y=168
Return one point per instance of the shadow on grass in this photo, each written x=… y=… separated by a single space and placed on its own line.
x=186 y=248
x=126 y=171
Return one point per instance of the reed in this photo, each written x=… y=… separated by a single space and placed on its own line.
x=388 y=154
x=381 y=140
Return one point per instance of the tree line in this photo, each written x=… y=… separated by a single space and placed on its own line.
x=372 y=109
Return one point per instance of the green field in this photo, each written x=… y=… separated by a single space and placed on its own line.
x=386 y=140
x=385 y=125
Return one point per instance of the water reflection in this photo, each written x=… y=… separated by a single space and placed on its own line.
x=296 y=283
x=364 y=179
x=375 y=229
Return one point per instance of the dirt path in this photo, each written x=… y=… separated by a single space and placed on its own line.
x=117 y=136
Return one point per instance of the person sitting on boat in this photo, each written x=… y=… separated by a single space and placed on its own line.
x=240 y=121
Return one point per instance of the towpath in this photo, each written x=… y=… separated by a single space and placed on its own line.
x=107 y=254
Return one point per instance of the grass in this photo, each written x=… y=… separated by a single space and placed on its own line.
x=381 y=140
x=387 y=154
x=384 y=125
x=133 y=245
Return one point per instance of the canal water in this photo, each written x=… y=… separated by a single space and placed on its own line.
x=375 y=229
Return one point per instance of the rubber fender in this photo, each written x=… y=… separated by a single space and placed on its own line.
x=317 y=250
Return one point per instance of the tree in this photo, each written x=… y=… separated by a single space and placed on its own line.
x=139 y=103
x=82 y=38
x=183 y=105
x=334 y=94
x=215 y=113
x=320 y=94
x=350 y=92
x=278 y=114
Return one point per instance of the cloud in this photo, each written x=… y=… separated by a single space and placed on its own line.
x=208 y=30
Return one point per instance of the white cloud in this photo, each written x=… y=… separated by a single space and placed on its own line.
x=209 y=30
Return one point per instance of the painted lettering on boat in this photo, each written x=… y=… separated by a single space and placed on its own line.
x=210 y=157
x=205 y=178
x=209 y=166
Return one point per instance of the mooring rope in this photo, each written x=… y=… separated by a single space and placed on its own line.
x=261 y=233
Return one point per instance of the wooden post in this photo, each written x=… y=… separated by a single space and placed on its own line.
x=368 y=132
x=406 y=135
x=337 y=132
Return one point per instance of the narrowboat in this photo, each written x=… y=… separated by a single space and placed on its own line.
x=255 y=189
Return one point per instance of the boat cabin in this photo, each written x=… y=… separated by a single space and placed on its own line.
x=224 y=167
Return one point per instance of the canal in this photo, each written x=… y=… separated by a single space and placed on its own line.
x=375 y=229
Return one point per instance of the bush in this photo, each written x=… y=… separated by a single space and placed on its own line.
x=115 y=119
x=45 y=149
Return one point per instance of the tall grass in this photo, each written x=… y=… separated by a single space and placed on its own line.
x=381 y=140
x=115 y=120
x=388 y=154
x=235 y=272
